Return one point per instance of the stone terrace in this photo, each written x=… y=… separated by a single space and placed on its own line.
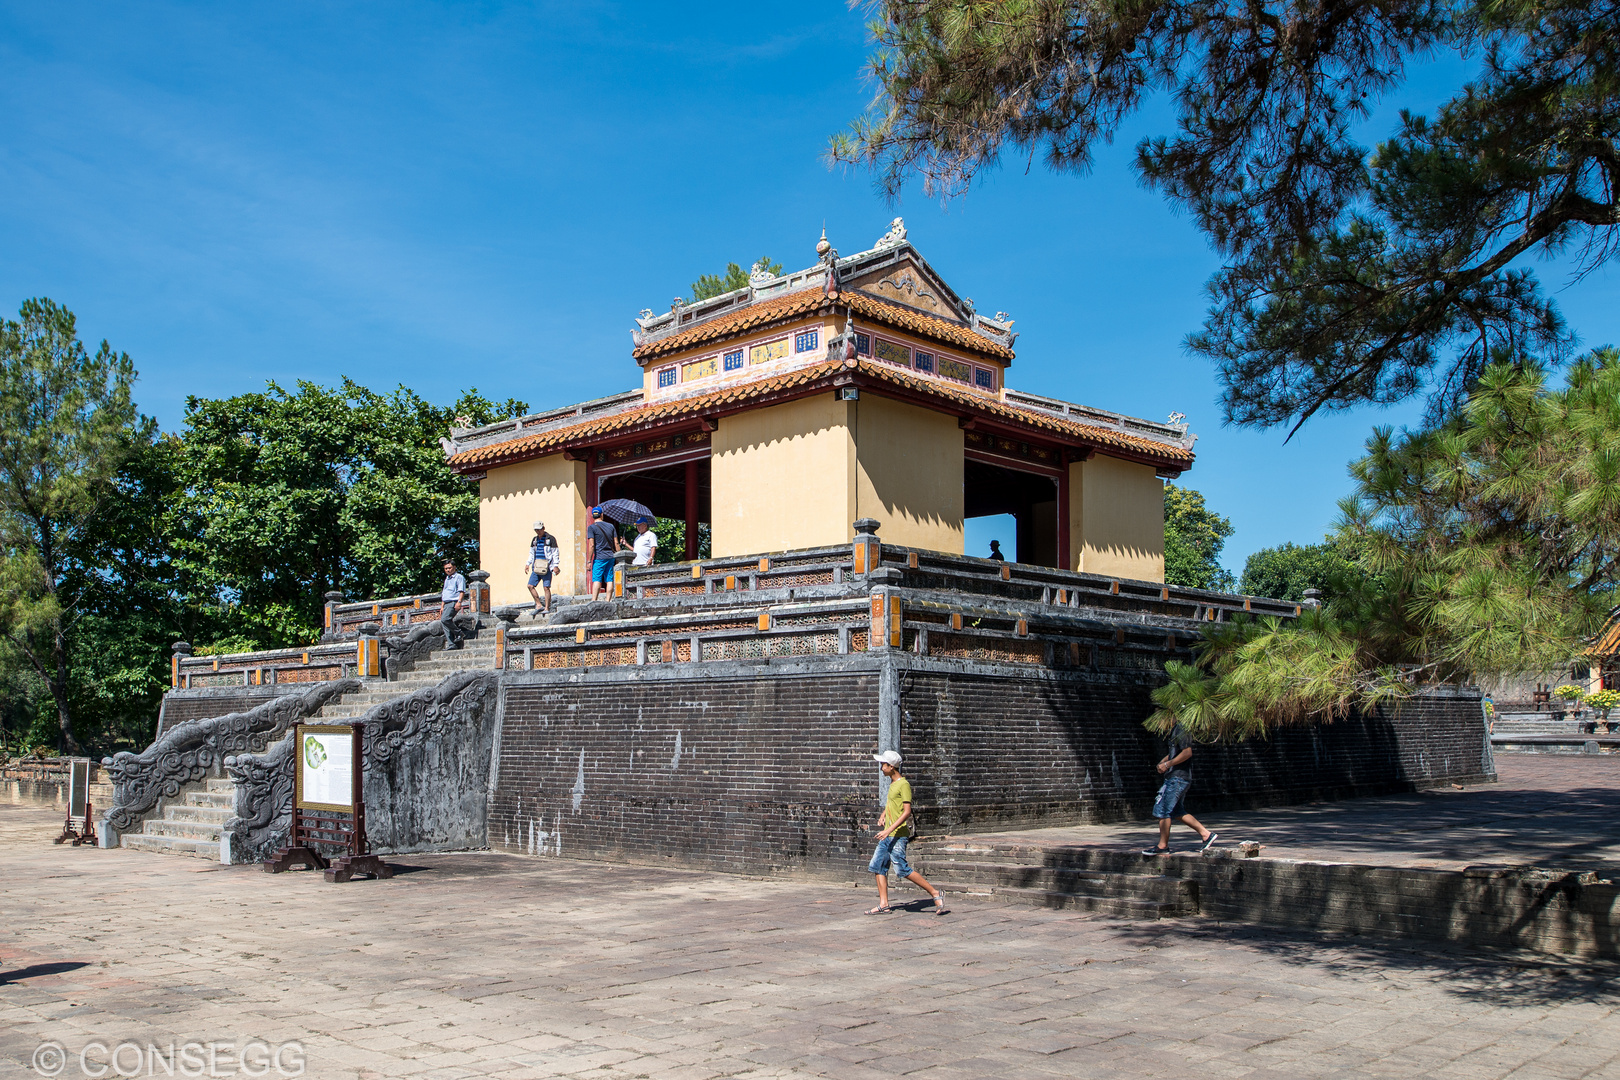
x=502 y=966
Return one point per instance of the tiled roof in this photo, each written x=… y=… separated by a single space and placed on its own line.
x=1608 y=642
x=924 y=325
x=986 y=403
x=542 y=442
x=806 y=301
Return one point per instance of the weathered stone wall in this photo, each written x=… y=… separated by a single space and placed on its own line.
x=181 y=705
x=761 y=766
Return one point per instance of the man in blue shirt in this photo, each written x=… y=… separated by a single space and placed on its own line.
x=451 y=598
x=601 y=541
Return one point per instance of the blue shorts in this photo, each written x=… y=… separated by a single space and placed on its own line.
x=891 y=849
x=602 y=570
x=1171 y=794
x=540 y=579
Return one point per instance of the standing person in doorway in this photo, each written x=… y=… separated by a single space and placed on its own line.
x=601 y=541
x=645 y=543
x=894 y=833
x=995 y=551
x=1176 y=768
x=451 y=598
x=545 y=559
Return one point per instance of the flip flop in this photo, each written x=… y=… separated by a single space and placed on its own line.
x=880 y=910
x=939 y=904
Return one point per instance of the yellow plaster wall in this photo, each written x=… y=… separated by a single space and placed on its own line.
x=783 y=477
x=910 y=473
x=510 y=500
x=1116 y=519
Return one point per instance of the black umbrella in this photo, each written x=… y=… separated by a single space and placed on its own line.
x=624 y=510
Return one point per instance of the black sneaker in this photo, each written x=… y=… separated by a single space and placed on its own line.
x=1209 y=842
x=1156 y=851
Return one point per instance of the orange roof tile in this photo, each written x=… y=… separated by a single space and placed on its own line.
x=1608 y=642
x=808 y=300
x=924 y=325
x=527 y=446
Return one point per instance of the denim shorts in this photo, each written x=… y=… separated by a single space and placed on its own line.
x=602 y=570
x=1171 y=794
x=891 y=849
x=540 y=579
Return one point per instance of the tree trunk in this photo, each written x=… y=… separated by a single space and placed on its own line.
x=59 y=691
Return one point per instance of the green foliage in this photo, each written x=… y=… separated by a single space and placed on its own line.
x=1193 y=538
x=1486 y=545
x=67 y=422
x=286 y=495
x=1347 y=277
x=1286 y=572
x=708 y=286
x=1603 y=701
x=672 y=540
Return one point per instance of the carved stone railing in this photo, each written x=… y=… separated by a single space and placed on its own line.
x=195 y=750
x=406 y=807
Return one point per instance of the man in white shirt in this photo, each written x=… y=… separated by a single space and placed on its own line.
x=646 y=543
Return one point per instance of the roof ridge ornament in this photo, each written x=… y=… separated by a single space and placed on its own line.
x=894 y=237
x=760 y=274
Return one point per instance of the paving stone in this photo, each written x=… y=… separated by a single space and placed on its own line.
x=493 y=965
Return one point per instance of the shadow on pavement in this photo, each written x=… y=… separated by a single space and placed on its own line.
x=33 y=971
x=1488 y=977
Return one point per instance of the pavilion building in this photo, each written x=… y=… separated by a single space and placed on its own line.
x=779 y=413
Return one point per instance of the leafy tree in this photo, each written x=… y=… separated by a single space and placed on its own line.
x=708 y=286
x=1193 y=538
x=672 y=540
x=1490 y=544
x=1350 y=277
x=1286 y=572
x=286 y=495
x=67 y=420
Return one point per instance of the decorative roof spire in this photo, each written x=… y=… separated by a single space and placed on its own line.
x=823 y=245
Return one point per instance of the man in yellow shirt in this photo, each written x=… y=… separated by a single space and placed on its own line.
x=894 y=833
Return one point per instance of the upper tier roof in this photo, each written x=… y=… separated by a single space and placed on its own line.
x=891 y=283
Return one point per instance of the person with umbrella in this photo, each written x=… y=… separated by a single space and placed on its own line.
x=601 y=541
x=645 y=543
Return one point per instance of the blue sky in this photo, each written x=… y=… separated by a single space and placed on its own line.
x=484 y=194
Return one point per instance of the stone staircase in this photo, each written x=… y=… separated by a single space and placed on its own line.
x=192 y=824
x=1122 y=884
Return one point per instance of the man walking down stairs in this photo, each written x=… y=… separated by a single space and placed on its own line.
x=192 y=823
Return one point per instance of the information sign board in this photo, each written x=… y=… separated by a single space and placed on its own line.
x=325 y=770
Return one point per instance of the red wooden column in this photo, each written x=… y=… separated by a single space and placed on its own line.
x=691 y=510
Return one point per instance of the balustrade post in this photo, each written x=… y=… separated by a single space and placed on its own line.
x=333 y=599
x=868 y=550
x=180 y=650
x=368 y=652
x=478 y=586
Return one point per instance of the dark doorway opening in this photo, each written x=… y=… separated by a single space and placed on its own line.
x=1030 y=498
x=676 y=493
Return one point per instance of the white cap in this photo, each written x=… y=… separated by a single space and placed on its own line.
x=889 y=757
x=539 y=525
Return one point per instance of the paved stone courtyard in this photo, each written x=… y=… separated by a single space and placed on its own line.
x=499 y=966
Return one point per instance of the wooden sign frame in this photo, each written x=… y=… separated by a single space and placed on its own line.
x=329 y=824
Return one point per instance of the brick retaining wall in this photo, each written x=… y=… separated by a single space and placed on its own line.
x=998 y=750
x=755 y=767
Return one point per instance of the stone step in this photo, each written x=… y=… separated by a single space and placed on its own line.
x=210 y=815
x=225 y=784
x=1177 y=892
x=211 y=798
x=1117 y=906
x=182 y=830
x=171 y=845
